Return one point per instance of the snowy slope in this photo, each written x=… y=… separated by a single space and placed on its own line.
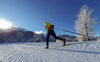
x=35 y=52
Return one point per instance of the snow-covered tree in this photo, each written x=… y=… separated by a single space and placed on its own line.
x=85 y=24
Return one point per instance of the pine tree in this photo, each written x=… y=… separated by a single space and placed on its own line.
x=85 y=24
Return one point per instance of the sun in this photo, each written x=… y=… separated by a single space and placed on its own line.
x=5 y=24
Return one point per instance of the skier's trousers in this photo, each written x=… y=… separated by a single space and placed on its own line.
x=51 y=32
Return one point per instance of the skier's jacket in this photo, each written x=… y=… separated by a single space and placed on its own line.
x=49 y=26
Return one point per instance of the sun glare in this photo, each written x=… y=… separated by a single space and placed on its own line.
x=5 y=24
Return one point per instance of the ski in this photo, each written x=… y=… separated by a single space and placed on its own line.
x=69 y=44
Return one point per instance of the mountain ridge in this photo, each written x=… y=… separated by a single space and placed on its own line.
x=17 y=34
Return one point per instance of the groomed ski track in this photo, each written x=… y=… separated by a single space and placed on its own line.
x=35 y=52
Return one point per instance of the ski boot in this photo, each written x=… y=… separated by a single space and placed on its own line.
x=64 y=42
x=47 y=47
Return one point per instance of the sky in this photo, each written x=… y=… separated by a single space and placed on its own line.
x=32 y=14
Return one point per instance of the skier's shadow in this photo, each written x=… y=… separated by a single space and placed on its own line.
x=91 y=52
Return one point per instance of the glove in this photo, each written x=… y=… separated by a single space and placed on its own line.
x=52 y=26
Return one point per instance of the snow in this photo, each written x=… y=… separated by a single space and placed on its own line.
x=35 y=52
x=12 y=29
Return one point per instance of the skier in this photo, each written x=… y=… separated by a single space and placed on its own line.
x=50 y=31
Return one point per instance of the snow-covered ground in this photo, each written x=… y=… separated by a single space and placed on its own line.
x=35 y=52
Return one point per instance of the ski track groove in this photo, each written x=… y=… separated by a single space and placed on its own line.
x=9 y=56
x=23 y=53
x=17 y=57
x=59 y=55
x=36 y=53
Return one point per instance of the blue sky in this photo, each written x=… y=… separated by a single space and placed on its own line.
x=32 y=14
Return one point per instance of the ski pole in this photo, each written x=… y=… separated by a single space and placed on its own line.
x=72 y=32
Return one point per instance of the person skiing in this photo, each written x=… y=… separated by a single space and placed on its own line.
x=50 y=31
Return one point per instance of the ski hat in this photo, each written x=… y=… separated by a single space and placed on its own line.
x=46 y=22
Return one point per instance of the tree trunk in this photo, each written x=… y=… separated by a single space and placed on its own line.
x=86 y=32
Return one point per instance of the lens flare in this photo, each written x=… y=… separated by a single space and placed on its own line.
x=5 y=24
